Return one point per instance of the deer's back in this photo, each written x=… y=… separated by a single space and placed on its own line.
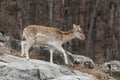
x=44 y=32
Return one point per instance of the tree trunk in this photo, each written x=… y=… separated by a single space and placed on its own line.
x=89 y=35
x=109 y=35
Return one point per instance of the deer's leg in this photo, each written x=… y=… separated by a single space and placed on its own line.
x=51 y=55
x=59 y=48
x=29 y=45
x=23 y=47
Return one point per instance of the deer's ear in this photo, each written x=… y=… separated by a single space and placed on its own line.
x=74 y=26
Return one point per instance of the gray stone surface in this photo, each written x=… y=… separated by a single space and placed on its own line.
x=81 y=60
x=15 y=68
x=113 y=66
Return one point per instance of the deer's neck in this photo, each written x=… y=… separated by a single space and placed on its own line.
x=69 y=35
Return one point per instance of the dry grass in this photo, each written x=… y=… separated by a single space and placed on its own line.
x=98 y=73
x=1 y=52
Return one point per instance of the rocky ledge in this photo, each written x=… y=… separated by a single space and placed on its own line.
x=15 y=68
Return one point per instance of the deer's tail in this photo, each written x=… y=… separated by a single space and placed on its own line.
x=23 y=37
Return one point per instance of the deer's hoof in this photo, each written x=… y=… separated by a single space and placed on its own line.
x=28 y=59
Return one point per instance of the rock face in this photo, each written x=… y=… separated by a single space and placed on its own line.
x=15 y=68
x=80 y=60
x=11 y=42
x=3 y=38
x=113 y=68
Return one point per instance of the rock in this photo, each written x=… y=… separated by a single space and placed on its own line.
x=15 y=44
x=10 y=42
x=10 y=73
x=15 y=68
x=83 y=61
x=113 y=68
x=4 y=38
x=72 y=78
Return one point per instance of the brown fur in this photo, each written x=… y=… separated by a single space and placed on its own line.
x=34 y=29
x=68 y=32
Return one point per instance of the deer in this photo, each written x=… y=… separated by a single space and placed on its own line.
x=50 y=37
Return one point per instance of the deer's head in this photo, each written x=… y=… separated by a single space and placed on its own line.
x=78 y=32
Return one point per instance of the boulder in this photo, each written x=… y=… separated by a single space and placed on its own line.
x=113 y=68
x=15 y=68
x=80 y=60
x=4 y=38
x=10 y=42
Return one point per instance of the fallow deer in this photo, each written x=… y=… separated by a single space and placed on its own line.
x=51 y=37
